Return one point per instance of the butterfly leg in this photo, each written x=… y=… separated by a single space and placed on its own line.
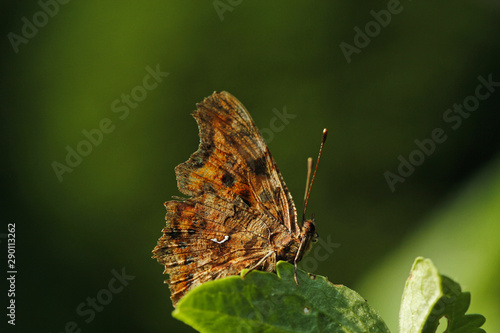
x=258 y=263
x=298 y=257
x=295 y=273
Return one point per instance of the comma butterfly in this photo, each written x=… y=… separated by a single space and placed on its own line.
x=239 y=214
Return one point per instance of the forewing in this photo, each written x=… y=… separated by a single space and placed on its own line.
x=234 y=161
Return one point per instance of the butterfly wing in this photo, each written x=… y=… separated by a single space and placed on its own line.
x=208 y=237
x=233 y=160
x=239 y=206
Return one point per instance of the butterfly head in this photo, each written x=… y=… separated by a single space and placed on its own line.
x=309 y=233
x=308 y=236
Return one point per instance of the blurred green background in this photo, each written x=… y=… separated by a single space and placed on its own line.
x=107 y=214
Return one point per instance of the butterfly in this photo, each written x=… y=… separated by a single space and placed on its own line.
x=239 y=213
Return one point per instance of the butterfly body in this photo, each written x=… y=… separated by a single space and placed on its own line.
x=239 y=214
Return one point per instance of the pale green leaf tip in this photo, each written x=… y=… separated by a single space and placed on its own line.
x=429 y=296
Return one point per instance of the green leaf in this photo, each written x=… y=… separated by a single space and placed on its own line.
x=429 y=296
x=461 y=237
x=267 y=302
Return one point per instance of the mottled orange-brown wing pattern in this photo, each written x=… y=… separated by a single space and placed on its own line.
x=239 y=214
x=208 y=238
x=233 y=160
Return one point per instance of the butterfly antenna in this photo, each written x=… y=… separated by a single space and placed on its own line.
x=309 y=167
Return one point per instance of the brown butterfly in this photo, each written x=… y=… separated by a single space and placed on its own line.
x=239 y=214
